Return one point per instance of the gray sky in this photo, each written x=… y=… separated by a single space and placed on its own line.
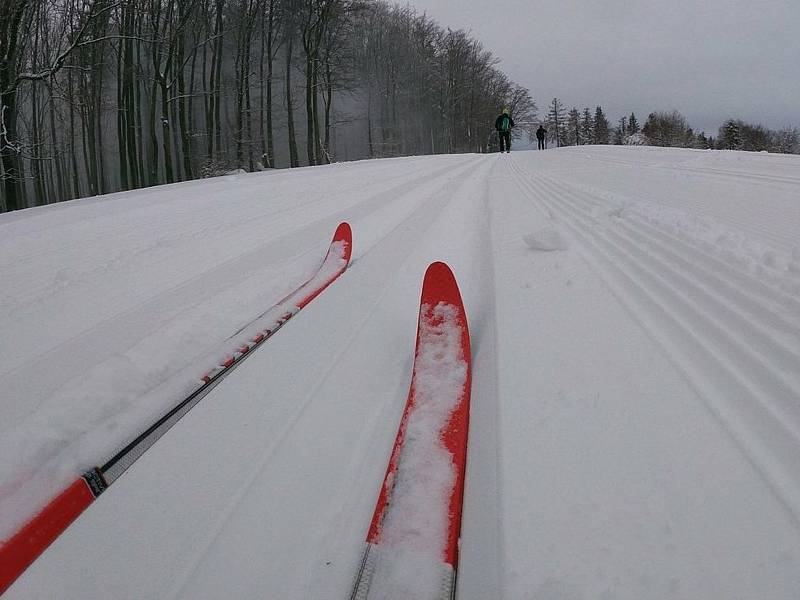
x=708 y=59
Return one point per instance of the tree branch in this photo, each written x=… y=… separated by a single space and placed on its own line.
x=58 y=63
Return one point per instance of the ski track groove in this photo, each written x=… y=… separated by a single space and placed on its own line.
x=712 y=314
x=197 y=558
x=276 y=222
x=341 y=214
x=340 y=508
x=694 y=279
x=678 y=167
x=781 y=179
x=147 y=199
x=767 y=290
x=738 y=350
x=723 y=328
x=73 y=362
x=501 y=543
x=753 y=292
x=752 y=434
x=491 y=275
x=752 y=226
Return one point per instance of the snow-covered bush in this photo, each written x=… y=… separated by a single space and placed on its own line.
x=216 y=168
x=637 y=139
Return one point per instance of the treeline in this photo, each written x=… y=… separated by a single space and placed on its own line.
x=666 y=129
x=101 y=95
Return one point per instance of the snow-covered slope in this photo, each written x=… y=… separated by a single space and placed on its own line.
x=635 y=321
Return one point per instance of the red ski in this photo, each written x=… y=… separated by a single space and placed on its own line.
x=334 y=264
x=22 y=548
x=412 y=543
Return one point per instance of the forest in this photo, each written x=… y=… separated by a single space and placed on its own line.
x=668 y=129
x=98 y=96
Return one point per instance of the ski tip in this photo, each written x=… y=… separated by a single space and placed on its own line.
x=344 y=234
x=440 y=285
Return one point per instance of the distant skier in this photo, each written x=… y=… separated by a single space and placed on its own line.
x=503 y=123
x=541 y=135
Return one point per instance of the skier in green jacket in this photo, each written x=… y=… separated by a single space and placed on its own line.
x=503 y=123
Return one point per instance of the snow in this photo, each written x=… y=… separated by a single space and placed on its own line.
x=546 y=240
x=634 y=426
x=332 y=265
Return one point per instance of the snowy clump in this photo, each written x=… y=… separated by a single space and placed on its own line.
x=546 y=240
x=334 y=262
x=739 y=249
x=414 y=532
x=637 y=139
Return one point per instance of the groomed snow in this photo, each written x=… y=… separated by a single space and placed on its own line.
x=634 y=425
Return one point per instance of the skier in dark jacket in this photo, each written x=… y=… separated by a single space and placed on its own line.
x=541 y=135
x=503 y=123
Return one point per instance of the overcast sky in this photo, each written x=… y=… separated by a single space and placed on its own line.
x=708 y=59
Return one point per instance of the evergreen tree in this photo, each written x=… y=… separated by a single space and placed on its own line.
x=601 y=127
x=787 y=140
x=690 y=140
x=587 y=127
x=755 y=138
x=621 y=131
x=667 y=129
x=633 y=125
x=730 y=136
x=556 y=123
x=573 y=127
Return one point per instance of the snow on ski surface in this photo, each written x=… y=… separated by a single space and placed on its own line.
x=635 y=416
x=409 y=560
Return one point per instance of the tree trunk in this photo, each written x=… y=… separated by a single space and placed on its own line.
x=91 y=140
x=188 y=150
x=122 y=127
x=98 y=99
x=12 y=14
x=133 y=121
x=60 y=187
x=9 y=157
x=217 y=91
x=76 y=181
x=310 y=146
x=241 y=76
x=185 y=121
x=370 y=148
x=137 y=135
x=265 y=86
x=328 y=103
x=315 y=115
x=293 y=158
x=165 y=130
x=248 y=109
x=208 y=102
x=153 y=135
x=174 y=117
x=39 y=196
x=270 y=58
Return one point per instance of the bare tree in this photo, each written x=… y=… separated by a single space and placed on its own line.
x=99 y=95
